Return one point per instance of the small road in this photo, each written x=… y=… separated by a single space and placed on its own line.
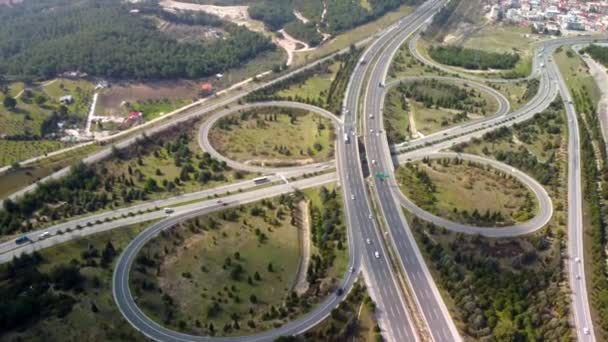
x=205 y=144
x=545 y=206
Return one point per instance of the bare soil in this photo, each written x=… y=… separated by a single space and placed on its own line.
x=109 y=102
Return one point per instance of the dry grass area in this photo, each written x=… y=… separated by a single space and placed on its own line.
x=274 y=136
x=110 y=101
x=458 y=190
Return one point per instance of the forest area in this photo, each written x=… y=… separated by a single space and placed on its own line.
x=107 y=39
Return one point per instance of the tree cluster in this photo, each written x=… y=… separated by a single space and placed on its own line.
x=102 y=38
x=496 y=301
x=473 y=59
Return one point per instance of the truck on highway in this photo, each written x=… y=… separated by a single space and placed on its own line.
x=22 y=239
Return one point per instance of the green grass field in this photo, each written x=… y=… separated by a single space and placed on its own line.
x=82 y=323
x=316 y=86
x=463 y=187
x=13 y=151
x=259 y=139
x=198 y=269
x=430 y=119
x=575 y=72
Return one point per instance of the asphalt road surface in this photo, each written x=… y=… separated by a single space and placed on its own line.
x=205 y=144
x=542 y=217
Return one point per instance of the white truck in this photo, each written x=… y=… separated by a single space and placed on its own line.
x=346 y=138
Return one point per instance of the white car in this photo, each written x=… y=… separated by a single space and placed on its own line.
x=352 y=269
x=368 y=241
x=373 y=161
x=577 y=259
x=44 y=235
x=586 y=331
x=371 y=116
x=352 y=197
x=377 y=255
x=370 y=216
x=371 y=130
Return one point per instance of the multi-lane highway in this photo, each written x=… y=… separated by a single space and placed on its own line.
x=428 y=300
x=366 y=238
x=393 y=315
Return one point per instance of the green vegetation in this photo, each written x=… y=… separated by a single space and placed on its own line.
x=272 y=136
x=345 y=14
x=576 y=73
x=404 y=65
x=510 y=289
x=354 y=319
x=518 y=93
x=12 y=151
x=275 y=14
x=37 y=108
x=532 y=146
x=304 y=32
x=467 y=192
x=330 y=99
x=432 y=105
x=313 y=87
x=69 y=292
x=154 y=108
x=248 y=287
x=473 y=59
x=599 y=53
x=151 y=168
x=207 y=288
x=78 y=36
x=30 y=128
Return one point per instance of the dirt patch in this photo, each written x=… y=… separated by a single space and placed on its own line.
x=507 y=249
x=301 y=284
x=110 y=102
x=236 y=14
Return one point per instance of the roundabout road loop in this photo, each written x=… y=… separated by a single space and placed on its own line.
x=140 y=321
x=503 y=103
x=205 y=144
x=413 y=47
x=545 y=205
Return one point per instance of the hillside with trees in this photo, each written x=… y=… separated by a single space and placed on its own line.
x=599 y=53
x=103 y=38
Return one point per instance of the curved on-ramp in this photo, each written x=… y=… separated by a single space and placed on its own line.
x=205 y=144
x=413 y=47
x=504 y=106
x=542 y=217
x=153 y=330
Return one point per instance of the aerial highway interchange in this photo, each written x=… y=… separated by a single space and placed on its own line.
x=381 y=245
